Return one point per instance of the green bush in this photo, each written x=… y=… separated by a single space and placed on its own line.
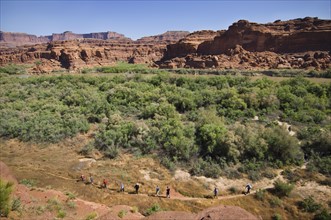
x=282 y=189
x=61 y=214
x=13 y=69
x=233 y=190
x=206 y=168
x=323 y=215
x=16 y=204
x=154 y=208
x=122 y=213
x=91 y=216
x=276 y=216
x=275 y=202
x=292 y=176
x=71 y=204
x=260 y=194
x=321 y=164
x=309 y=205
x=70 y=195
x=5 y=192
x=28 y=182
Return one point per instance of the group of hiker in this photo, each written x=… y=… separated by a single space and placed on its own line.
x=157 y=190
x=90 y=180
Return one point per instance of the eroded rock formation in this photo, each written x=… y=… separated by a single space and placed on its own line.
x=82 y=53
x=298 y=43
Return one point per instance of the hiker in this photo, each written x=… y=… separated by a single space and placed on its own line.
x=104 y=183
x=82 y=178
x=216 y=192
x=122 y=187
x=136 y=187
x=91 y=179
x=157 y=190
x=168 y=192
x=249 y=187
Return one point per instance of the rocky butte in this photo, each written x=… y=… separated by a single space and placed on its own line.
x=18 y=39
x=294 y=44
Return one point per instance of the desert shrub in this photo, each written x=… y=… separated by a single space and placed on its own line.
x=282 y=189
x=169 y=164
x=275 y=202
x=254 y=175
x=134 y=209
x=91 y=216
x=233 y=190
x=206 y=168
x=154 y=208
x=87 y=148
x=323 y=215
x=28 y=182
x=5 y=192
x=40 y=210
x=282 y=146
x=309 y=205
x=320 y=164
x=260 y=194
x=276 y=216
x=54 y=204
x=122 y=67
x=70 y=195
x=71 y=204
x=268 y=173
x=16 y=204
x=13 y=69
x=122 y=213
x=61 y=214
x=231 y=173
x=292 y=176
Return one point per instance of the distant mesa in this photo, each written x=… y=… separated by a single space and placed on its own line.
x=18 y=39
x=167 y=37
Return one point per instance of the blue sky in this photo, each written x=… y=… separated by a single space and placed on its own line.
x=136 y=19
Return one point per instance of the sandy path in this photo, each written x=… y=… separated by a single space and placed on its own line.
x=174 y=194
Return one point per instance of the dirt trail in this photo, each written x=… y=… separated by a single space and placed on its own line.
x=174 y=194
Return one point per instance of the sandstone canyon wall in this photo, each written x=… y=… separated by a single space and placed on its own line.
x=298 y=43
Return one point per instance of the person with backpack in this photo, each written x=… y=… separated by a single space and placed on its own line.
x=157 y=190
x=249 y=187
x=104 y=183
x=82 y=178
x=136 y=188
x=168 y=192
x=215 y=192
x=122 y=187
x=91 y=179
